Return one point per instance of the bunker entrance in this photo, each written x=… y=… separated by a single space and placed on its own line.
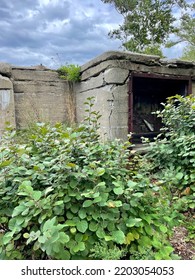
x=147 y=92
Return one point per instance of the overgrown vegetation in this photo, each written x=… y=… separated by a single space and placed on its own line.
x=173 y=153
x=70 y=72
x=66 y=195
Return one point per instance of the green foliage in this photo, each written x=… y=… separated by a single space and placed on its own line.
x=189 y=53
x=63 y=194
x=185 y=32
x=101 y=251
x=70 y=72
x=173 y=152
x=147 y=23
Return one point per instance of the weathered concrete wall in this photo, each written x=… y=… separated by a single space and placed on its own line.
x=34 y=94
x=29 y=94
x=40 y=95
x=7 y=106
x=106 y=78
x=111 y=100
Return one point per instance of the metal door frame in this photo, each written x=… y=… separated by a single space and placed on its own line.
x=153 y=76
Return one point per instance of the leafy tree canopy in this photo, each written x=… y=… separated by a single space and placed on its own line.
x=148 y=23
x=188 y=53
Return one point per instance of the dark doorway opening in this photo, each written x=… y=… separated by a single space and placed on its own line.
x=147 y=92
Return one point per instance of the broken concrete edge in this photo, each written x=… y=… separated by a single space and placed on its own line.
x=33 y=68
x=137 y=58
x=119 y=55
x=7 y=69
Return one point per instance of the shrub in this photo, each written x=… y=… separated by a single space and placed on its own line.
x=63 y=194
x=70 y=72
x=173 y=152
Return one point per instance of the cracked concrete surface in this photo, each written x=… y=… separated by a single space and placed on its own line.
x=106 y=78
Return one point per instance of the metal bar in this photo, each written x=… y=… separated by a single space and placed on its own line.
x=130 y=104
x=161 y=76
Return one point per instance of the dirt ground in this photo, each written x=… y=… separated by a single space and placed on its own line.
x=185 y=249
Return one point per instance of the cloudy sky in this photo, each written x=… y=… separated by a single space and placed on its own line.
x=55 y=32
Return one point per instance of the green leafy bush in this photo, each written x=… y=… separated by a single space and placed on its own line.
x=63 y=194
x=70 y=72
x=173 y=153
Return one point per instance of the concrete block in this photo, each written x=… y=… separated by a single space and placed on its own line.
x=5 y=69
x=34 y=75
x=97 y=69
x=116 y=76
x=91 y=83
x=7 y=106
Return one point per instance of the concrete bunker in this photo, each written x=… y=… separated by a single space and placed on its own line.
x=128 y=87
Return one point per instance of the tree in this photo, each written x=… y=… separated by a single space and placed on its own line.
x=147 y=23
x=186 y=33
x=188 y=53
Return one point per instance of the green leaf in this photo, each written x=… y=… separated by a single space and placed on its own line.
x=7 y=237
x=42 y=239
x=93 y=226
x=179 y=175
x=168 y=250
x=87 y=203
x=55 y=236
x=82 y=213
x=82 y=226
x=148 y=230
x=118 y=203
x=79 y=237
x=100 y=233
x=10 y=247
x=70 y=223
x=129 y=238
x=63 y=238
x=13 y=224
x=145 y=241
x=36 y=195
x=73 y=230
x=26 y=235
x=156 y=243
x=63 y=255
x=108 y=238
x=36 y=246
x=26 y=187
x=131 y=184
x=19 y=209
x=56 y=247
x=133 y=222
x=59 y=202
x=100 y=171
x=118 y=191
x=79 y=247
x=138 y=194
x=74 y=208
x=118 y=236
x=48 y=190
x=5 y=163
x=49 y=224
x=163 y=228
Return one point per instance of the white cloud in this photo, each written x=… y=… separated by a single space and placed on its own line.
x=55 y=31
x=32 y=32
